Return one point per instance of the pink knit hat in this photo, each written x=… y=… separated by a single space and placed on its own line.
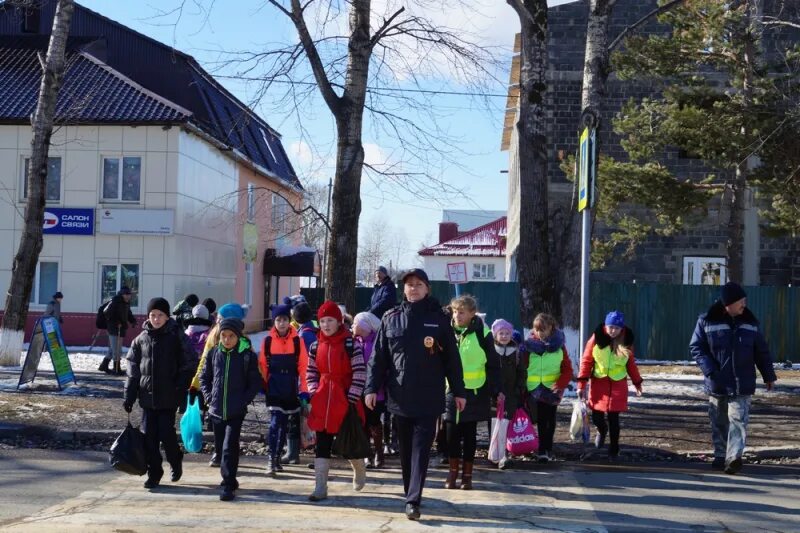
x=501 y=324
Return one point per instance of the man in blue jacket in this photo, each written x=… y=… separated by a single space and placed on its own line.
x=727 y=345
x=384 y=295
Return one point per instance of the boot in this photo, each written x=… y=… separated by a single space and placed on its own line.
x=452 y=475
x=321 y=468
x=359 y=474
x=104 y=366
x=271 y=468
x=376 y=432
x=118 y=369
x=292 y=455
x=466 y=476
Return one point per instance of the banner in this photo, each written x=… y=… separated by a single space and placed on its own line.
x=68 y=221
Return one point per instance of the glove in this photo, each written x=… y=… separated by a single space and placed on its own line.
x=127 y=406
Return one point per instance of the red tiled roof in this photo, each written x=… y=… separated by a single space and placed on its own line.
x=488 y=240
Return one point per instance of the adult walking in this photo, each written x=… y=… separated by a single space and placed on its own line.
x=54 y=307
x=384 y=294
x=728 y=345
x=415 y=351
x=118 y=316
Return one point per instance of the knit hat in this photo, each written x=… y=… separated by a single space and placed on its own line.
x=295 y=299
x=731 y=293
x=232 y=324
x=232 y=310
x=516 y=336
x=382 y=270
x=329 y=309
x=57 y=295
x=200 y=311
x=280 y=310
x=301 y=313
x=367 y=318
x=501 y=324
x=210 y=304
x=124 y=290
x=615 y=318
x=158 y=303
x=191 y=299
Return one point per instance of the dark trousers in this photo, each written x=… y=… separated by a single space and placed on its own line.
x=158 y=426
x=278 y=425
x=324 y=444
x=389 y=430
x=414 y=438
x=226 y=439
x=462 y=440
x=612 y=429
x=546 y=425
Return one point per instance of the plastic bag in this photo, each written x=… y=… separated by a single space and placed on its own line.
x=351 y=441
x=127 y=453
x=579 y=423
x=521 y=436
x=497 y=444
x=192 y=427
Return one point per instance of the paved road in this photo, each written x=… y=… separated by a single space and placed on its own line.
x=75 y=491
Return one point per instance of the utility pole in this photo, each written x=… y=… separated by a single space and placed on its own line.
x=327 y=231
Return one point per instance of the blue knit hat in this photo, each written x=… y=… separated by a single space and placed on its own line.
x=283 y=309
x=615 y=318
x=232 y=310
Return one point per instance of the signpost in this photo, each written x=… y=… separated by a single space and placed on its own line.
x=587 y=169
x=457 y=274
x=47 y=336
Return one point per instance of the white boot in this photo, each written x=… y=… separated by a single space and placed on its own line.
x=359 y=473
x=321 y=468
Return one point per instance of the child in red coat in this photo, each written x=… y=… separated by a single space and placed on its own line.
x=336 y=376
x=608 y=361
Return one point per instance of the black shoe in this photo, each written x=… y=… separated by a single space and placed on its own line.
x=412 y=511
x=718 y=463
x=235 y=485
x=177 y=472
x=734 y=466
x=227 y=494
x=104 y=366
x=151 y=483
x=214 y=462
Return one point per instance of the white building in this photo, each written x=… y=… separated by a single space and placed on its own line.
x=482 y=250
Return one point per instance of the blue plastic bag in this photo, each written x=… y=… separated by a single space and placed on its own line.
x=192 y=427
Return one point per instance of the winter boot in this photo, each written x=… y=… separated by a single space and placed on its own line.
x=104 y=366
x=359 y=474
x=376 y=432
x=321 y=468
x=118 y=369
x=271 y=466
x=452 y=475
x=292 y=455
x=466 y=476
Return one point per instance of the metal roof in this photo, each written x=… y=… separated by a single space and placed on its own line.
x=488 y=240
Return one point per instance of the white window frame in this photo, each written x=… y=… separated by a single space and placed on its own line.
x=121 y=158
x=35 y=301
x=135 y=302
x=692 y=269
x=248 y=284
x=279 y=219
x=23 y=197
x=251 y=202
x=483 y=271
x=269 y=146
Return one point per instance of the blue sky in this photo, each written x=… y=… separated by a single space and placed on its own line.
x=477 y=125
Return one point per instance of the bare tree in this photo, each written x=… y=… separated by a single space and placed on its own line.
x=30 y=245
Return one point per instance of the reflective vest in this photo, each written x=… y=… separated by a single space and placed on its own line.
x=544 y=369
x=607 y=364
x=473 y=359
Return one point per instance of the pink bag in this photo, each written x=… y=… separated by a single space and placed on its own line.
x=521 y=436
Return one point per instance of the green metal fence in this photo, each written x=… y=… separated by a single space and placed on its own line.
x=662 y=316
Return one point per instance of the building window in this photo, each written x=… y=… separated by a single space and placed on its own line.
x=280 y=220
x=704 y=271
x=248 y=283
x=269 y=144
x=251 y=202
x=52 y=191
x=45 y=282
x=483 y=271
x=122 y=179
x=114 y=277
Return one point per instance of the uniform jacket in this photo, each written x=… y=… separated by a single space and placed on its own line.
x=283 y=369
x=118 y=316
x=605 y=394
x=228 y=385
x=335 y=378
x=384 y=297
x=415 y=350
x=160 y=365
x=728 y=350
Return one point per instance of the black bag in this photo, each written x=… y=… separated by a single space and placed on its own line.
x=100 y=321
x=127 y=453
x=351 y=441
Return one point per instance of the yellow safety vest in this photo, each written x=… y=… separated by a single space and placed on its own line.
x=607 y=364
x=473 y=359
x=544 y=369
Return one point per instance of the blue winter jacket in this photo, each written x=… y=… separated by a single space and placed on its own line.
x=728 y=350
x=227 y=386
x=384 y=297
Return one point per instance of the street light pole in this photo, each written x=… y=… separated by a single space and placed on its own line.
x=327 y=231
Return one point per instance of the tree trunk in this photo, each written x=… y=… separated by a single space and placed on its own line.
x=27 y=256
x=533 y=257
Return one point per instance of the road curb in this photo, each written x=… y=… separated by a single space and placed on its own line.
x=11 y=431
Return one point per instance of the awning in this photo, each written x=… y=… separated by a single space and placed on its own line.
x=292 y=261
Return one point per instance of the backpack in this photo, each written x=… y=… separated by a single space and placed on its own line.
x=268 y=346
x=349 y=347
x=100 y=321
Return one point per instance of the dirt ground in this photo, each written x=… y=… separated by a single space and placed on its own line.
x=669 y=422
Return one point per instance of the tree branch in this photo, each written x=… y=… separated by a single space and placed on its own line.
x=521 y=10
x=657 y=11
x=384 y=27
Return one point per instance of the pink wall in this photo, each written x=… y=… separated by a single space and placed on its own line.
x=78 y=329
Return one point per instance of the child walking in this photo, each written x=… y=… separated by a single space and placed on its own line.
x=365 y=328
x=549 y=372
x=336 y=376
x=606 y=364
x=512 y=372
x=282 y=363
x=229 y=382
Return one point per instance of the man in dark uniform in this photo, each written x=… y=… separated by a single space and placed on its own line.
x=415 y=351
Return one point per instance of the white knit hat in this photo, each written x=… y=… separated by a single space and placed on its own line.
x=368 y=319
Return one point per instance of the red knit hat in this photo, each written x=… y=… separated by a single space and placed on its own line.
x=330 y=309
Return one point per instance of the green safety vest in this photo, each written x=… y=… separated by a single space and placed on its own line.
x=544 y=369
x=607 y=364
x=473 y=359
